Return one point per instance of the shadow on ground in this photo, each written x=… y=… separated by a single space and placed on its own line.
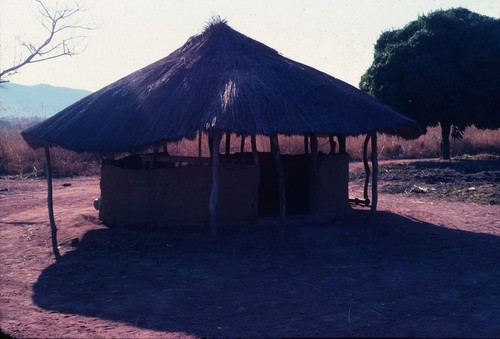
x=355 y=277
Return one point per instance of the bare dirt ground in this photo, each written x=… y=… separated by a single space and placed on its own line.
x=427 y=265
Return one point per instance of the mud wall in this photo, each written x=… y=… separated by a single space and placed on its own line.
x=329 y=187
x=178 y=196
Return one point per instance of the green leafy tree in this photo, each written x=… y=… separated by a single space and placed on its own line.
x=443 y=68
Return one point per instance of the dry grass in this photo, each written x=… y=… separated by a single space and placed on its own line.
x=475 y=141
x=16 y=158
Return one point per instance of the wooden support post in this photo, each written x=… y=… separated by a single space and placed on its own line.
x=211 y=144
x=342 y=146
x=50 y=205
x=306 y=144
x=214 y=195
x=242 y=145
x=153 y=156
x=271 y=145
x=314 y=151
x=333 y=145
x=165 y=148
x=228 y=143
x=375 y=172
x=367 y=169
x=199 y=144
x=255 y=153
x=281 y=180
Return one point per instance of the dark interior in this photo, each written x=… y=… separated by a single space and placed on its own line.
x=296 y=170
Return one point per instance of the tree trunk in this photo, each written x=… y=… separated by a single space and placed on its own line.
x=445 y=140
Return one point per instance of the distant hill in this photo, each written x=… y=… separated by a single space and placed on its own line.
x=20 y=101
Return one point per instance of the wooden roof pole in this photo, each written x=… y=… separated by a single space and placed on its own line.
x=255 y=153
x=214 y=195
x=342 y=145
x=306 y=144
x=367 y=169
x=375 y=172
x=242 y=144
x=314 y=151
x=333 y=145
x=156 y=149
x=50 y=205
x=228 y=143
x=281 y=180
x=199 y=144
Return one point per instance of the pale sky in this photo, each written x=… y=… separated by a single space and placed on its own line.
x=334 y=36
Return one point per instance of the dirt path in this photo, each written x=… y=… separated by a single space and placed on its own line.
x=424 y=267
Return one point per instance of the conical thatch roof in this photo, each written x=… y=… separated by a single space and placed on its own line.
x=222 y=80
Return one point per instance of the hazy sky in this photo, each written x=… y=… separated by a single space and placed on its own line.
x=334 y=36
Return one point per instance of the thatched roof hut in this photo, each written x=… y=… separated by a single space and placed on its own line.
x=220 y=81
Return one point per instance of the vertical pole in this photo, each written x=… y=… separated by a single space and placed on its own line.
x=214 y=195
x=281 y=180
x=375 y=173
x=255 y=153
x=199 y=144
x=314 y=151
x=153 y=156
x=53 y=227
x=210 y=144
x=242 y=145
x=165 y=148
x=342 y=146
x=228 y=143
x=271 y=145
x=313 y=188
x=306 y=144
x=333 y=145
x=367 y=169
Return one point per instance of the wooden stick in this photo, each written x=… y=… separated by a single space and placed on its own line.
x=375 y=173
x=333 y=145
x=153 y=156
x=314 y=151
x=50 y=205
x=342 y=146
x=242 y=145
x=306 y=144
x=281 y=180
x=367 y=166
x=210 y=144
x=199 y=144
x=214 y=195
x=255 y=152
x=228 y=143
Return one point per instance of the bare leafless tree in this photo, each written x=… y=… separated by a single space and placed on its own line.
x=63 y=37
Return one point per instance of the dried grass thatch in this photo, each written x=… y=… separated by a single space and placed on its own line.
x=219 y=80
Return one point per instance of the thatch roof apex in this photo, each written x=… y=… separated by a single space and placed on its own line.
x=218 y=80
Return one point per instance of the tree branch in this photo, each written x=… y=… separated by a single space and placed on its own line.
x=54 y=46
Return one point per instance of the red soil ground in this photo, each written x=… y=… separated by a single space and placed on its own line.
x=425 y=266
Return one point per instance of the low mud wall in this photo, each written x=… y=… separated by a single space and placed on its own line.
x=329 y=187
x=178 y=196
